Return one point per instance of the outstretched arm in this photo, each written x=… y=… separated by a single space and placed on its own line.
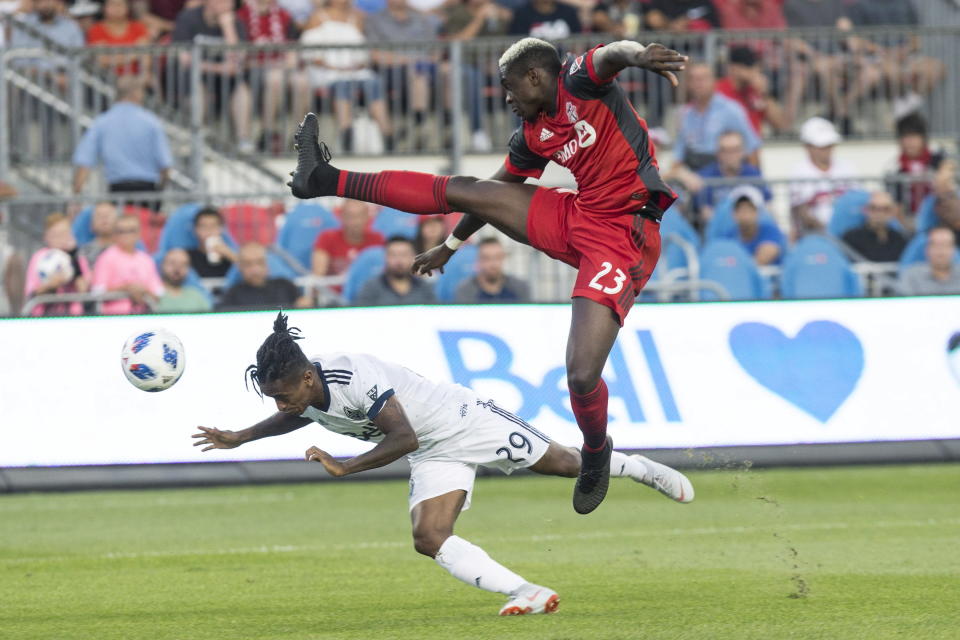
x=399 y=440
x=613 y=58
x=277 y=424
x=438 y=256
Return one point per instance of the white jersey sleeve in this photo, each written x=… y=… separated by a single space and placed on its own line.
x=370 y=386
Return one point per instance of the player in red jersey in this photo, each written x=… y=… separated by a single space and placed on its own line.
x=575 y=114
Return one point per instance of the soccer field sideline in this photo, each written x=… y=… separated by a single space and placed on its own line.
x=856 y=552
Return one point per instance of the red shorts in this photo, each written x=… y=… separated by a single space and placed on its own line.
x=614 y=255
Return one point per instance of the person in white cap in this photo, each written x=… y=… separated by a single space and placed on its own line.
x=820 y=177
x=759 y=235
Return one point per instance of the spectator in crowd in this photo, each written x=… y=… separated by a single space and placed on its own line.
x=160 y=15
x=809 y=56
x=760 y=237
x=258 y=290
x=272 y=72
x=221 y=73
x=213 y=257
x=345 y=72
x=731 y=163
x=746 y=83
x=299 y=10
x=619 y=18
x=681 y=15
x=466 y=20
x=910 y=74
x=875 y=240
x=335 y=250
x=102 y=221
x=939 y=275
x=946 y=205
x=178 y=296
x=123 y=267
x=47 y=19
x=916 y=161
x=407 y=74
x=130 y=143
x=119 y=29
x=545 y=19
x=431 y=231
x=750 y=15
x=701 y=122
x=396 y=285
x=57 y=235
x=12 y=279
x=491 y=284
x=820 y=177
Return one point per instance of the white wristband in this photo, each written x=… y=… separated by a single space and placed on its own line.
x=453 y=243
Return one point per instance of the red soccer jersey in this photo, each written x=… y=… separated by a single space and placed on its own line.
x=598 y=136
x=341 y=253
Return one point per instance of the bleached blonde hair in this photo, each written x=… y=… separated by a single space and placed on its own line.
x=533 y=52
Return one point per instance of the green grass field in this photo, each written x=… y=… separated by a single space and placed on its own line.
x=825 y=553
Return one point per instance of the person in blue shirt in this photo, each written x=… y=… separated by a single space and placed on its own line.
x=702 y=120
x=130 y=143
x=761 y=237
x=48 y=21
x=731 y=163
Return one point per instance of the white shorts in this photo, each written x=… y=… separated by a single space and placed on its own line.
x=494 y=438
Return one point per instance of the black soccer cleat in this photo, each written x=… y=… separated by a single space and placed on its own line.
x=311 y=153
x=593 y=480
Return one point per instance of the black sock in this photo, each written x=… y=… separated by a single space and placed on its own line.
x=323 y=180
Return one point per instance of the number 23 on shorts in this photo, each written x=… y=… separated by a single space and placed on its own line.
x=619 y=278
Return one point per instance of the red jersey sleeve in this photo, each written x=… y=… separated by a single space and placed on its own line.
x=521 y=161
x=580 y=77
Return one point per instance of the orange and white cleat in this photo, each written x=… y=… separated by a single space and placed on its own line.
x=531 y=598
x=666 y=480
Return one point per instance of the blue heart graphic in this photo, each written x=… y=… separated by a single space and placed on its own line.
x=816 y=371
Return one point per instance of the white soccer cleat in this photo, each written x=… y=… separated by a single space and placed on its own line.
x=531 y=598
x=666 y=480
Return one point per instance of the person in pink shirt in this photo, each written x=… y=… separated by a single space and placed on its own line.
x=57 y=234
x=123 y=267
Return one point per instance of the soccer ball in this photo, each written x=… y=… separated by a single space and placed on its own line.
x=153 y=360
x=52 y=263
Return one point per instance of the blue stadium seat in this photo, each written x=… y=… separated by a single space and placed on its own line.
x=178 y=231
x=926 y=215
x=673 y=256
x=83 y=226
x=367 y=264
x=816 y=268
x=277 y=267
x=462 y=265
x=723 y=225
x=916 y=251
x=391 y=222
x=301 y=227
x=848 y=212
x=729 y=264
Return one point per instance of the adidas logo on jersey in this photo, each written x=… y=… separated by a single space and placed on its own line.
x=545 y=134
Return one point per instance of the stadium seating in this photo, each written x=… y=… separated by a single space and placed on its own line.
x=926 y=215
x=83 y=226
x=729 y=264
x=367 y=264
x=722 y=224
x=673 y=255
x=848 y=212
x=816 y=268
x=461 y=267
x=301 y=227
x=390 y=222
x=248 y=222
x=277 y=267
x=916 y=251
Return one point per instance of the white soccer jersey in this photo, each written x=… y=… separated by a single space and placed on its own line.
x=358 y=385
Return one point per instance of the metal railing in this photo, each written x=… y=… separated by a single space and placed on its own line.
x=96 y=299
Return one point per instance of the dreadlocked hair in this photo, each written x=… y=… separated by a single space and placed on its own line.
x=278 y=357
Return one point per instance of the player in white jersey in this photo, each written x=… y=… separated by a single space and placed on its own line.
x=445 y=430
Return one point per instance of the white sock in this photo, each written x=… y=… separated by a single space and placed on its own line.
x=468 y=562
x=623 y=466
